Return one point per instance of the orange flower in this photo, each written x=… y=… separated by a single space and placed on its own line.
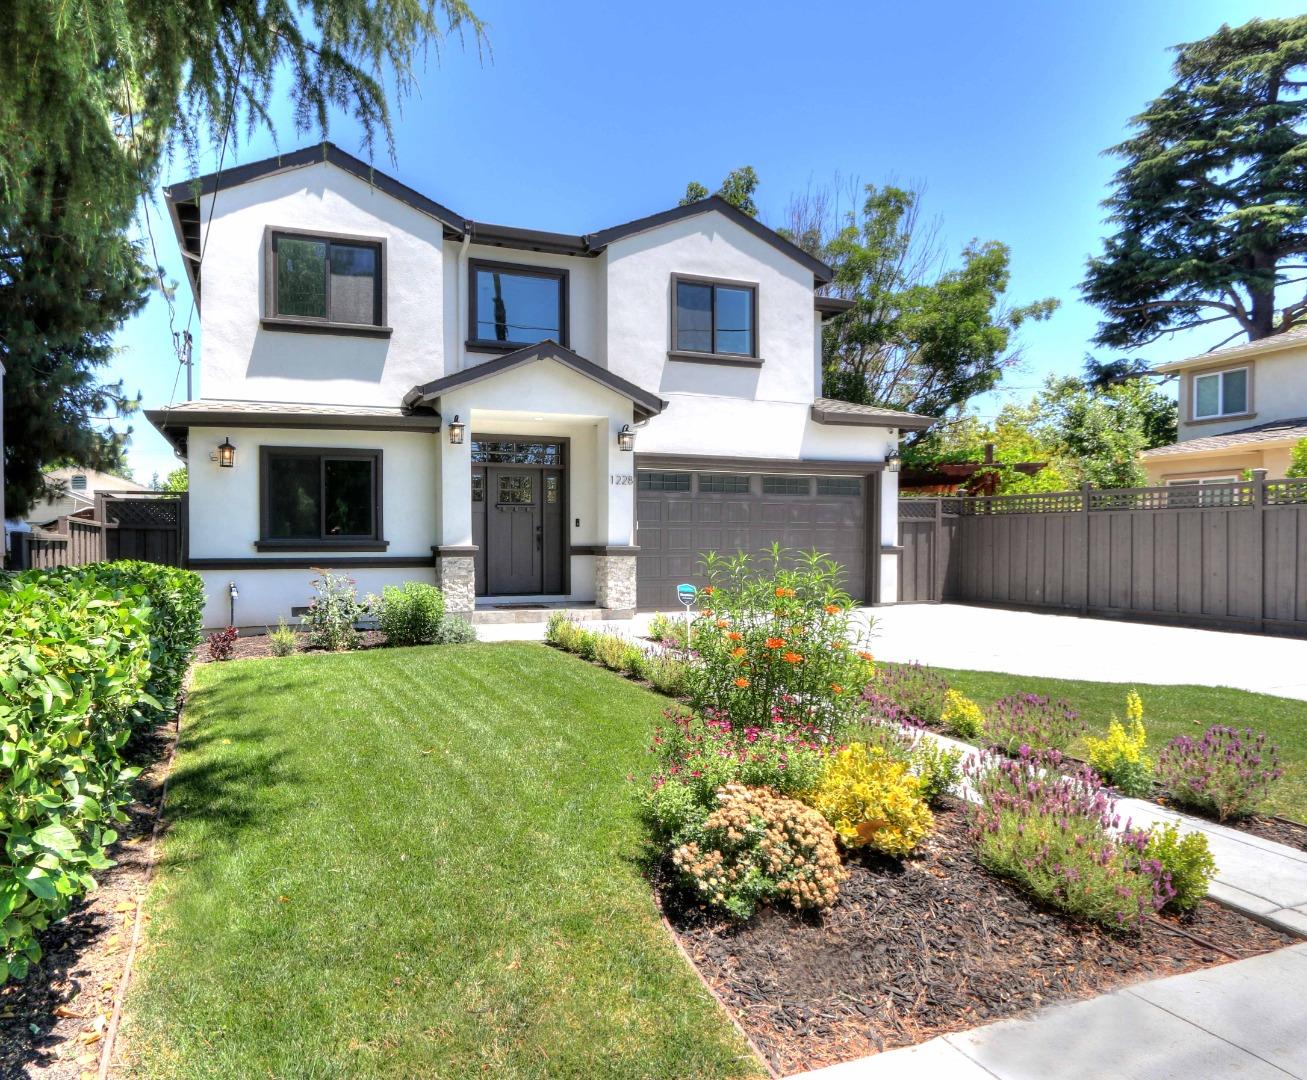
x=837 y=688
x=707 y=613
x=737 y=653
x=741 y=683
x=734 y=635
x=837 y=644
x=784 y=592
x=775 y=643
x=792 y=658
x=707 y=590
x=866 y=656
x=832 y=609
x=723 y=623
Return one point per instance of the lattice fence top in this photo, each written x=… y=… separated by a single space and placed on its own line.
x=918 y=509
x=160 y=513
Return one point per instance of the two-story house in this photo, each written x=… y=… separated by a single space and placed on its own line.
x=1241 y=408
x=518 y=416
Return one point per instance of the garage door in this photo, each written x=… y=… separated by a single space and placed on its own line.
x=680 y=515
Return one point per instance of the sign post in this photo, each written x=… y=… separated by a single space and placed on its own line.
x=687 y=594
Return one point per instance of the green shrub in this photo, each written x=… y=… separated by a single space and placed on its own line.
x=410 y=614
x=333 y=613
x=75 y=665
x=613 y=651
x=454 y=630
x=775 y=643
x=669 y=630
x=633 y=661
x=283 y=641
x=757 y=846
x=587 y=644
x=666 y=674
x=1187 y=858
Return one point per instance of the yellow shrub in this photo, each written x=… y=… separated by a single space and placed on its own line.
x=1134 y=707
x=1122 y=746
x=872 y=801
x=961 y=716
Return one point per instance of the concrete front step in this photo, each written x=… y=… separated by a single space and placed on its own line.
x=488 y=614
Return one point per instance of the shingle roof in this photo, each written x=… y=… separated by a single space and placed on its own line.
x=1289 y=339
x=830 y=411
x=1273 y=431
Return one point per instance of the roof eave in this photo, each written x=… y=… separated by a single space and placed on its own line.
x=887 y=418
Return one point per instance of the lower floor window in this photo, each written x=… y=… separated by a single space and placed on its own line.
x=321 y=494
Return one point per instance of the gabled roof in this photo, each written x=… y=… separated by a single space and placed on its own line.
x=1293 y=337
x=183 y=201
x=646 y=404
x=829 y=411
x=1273 y=431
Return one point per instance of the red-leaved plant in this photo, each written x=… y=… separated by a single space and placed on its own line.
x=222 y=643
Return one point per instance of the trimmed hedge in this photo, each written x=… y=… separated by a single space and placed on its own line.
x=86 y=654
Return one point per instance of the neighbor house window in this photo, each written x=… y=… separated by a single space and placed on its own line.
x=515 y=305
x=714 y=317
x=1222 y=393
x=325 y=279
x=321 y=495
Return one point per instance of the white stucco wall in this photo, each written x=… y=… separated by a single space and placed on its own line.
x=1277 y=390
x=268 y=595
x=239 y=359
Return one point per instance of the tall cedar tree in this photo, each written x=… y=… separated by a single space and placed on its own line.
x=1211 y=203
x=96 y=94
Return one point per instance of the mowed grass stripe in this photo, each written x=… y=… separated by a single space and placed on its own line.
x=415 y=862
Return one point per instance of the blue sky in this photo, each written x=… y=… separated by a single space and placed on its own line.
x=586 y=114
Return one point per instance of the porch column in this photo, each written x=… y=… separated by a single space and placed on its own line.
x=615 y=567
x=454 y=551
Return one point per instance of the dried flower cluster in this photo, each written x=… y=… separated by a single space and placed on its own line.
x=1227 y=772
x=759 y=846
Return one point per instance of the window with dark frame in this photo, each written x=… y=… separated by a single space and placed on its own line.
x=839 y=486
x=663 y=481
x=724 y=483
x=327 y=280
x=507 y=452
x=513 y=305
x=714 y=317
x=321 y=495
x=787 y=485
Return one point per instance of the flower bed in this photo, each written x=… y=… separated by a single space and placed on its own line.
x=925 y=946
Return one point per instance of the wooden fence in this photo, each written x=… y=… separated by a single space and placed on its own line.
x=146 y=526
x=1232 y=556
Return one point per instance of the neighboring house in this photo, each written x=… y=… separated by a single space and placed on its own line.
x=1241 y=408
x=518 y=416
x=76 y=488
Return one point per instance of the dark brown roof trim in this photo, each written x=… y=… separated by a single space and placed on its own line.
x=872 y=417
x=830 y=306
x=549 y=243
x=820 y=271
x=174 y=426
x=646 y=404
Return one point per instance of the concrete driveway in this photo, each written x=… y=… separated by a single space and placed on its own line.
x=1105 y=650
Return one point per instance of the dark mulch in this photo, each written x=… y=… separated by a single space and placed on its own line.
x=256 y=646
x=52 y=1024
x=931 y=945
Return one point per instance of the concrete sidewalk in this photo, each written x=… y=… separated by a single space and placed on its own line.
x=1243 y=1019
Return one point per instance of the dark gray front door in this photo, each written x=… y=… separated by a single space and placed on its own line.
x=514 y=531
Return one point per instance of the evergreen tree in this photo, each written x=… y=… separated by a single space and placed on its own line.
x=1210 y=206
x=737 y=189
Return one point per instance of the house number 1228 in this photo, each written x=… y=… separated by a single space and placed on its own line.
x=622 y=480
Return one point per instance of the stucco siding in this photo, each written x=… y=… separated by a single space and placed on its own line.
x=1277 y=390
x=240 y=359
x=268 y=595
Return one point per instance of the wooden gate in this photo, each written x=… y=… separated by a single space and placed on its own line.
x=926 y=531
x=150 y=527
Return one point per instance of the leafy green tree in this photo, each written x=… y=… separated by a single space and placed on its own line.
x=1298 y=460
x=1013 y=438
x=177 y=480
x=737 y=189
x=1210 y=205
x=96 y=94
x=918 y=337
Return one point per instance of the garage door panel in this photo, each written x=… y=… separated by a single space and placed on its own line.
x=675 y=529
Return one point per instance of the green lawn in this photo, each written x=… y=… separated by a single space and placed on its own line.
x=414 y=862
x=1170 y=711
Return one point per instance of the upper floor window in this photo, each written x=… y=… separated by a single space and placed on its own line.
x=1222 y=393
x=325 y=281
x=714 y=317
x=512 y=305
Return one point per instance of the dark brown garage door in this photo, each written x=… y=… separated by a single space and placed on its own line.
x=680 y=515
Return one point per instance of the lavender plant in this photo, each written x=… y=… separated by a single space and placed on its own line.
x=1049 y=829
x=906 y=693
x=1029 y=720
x=1227 y=772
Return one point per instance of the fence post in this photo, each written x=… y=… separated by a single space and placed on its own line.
x=1089 y=559
x=1259 y=534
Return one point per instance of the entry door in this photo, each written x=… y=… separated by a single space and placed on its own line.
x=514 y=532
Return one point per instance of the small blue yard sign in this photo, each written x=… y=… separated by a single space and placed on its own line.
x=686 y=594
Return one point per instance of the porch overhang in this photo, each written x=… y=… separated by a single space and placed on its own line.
x=644 y=403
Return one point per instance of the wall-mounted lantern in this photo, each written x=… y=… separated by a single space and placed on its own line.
x=456 y=431
x=892 y=460
x=225 y=455
x=626 y=438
